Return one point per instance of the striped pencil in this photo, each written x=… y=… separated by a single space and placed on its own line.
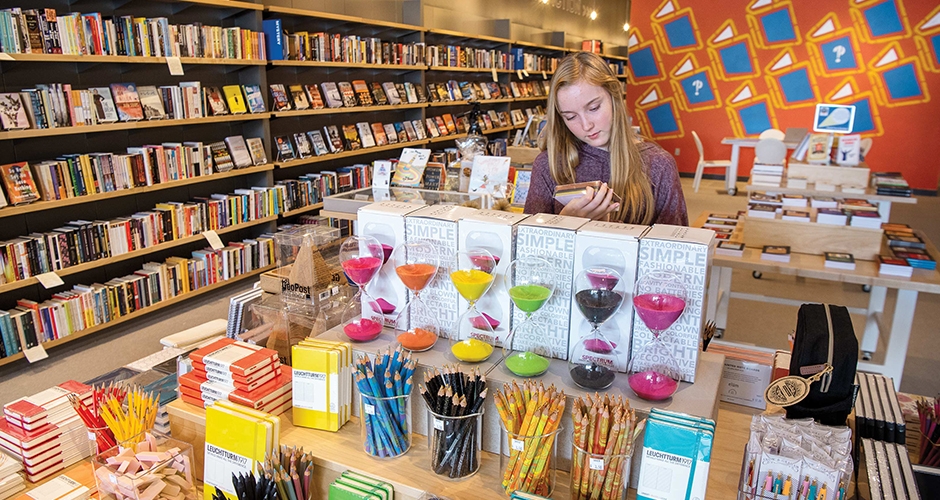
x=384 y=384
x=601 y=447
x=455 y=400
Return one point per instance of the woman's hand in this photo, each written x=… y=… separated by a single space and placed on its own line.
x=593 y=205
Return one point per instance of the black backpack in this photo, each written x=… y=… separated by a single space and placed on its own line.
x=824 y=334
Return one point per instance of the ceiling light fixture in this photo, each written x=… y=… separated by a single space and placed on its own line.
x=593 y=15
x=626 y=26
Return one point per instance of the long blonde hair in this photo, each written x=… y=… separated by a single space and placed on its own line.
x=627 y=177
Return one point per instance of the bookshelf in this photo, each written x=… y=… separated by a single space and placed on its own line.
x=349 y=154
x=138 y=125
x=358 y=109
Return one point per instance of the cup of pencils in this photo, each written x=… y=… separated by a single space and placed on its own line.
x=530 y=417
x=454 y=401
x=602 y=448
x=385 y=402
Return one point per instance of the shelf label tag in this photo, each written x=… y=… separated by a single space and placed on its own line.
x=544 y=76
x=438 y=424
x=519 y=73
x=370 y=410
x=518 y=444
x=596 y=464
x=50 y=280
x=213 y=238
x=34 y=354
x=524 y=72
x=176 y=67
x=495 y=78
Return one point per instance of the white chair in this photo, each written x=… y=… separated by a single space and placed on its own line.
x=703 y=164
x=770 y=151
x=772 y=133
x=864 y=147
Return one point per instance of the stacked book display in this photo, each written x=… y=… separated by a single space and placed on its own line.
x=457 y=56
x=906 y=248
x=723 y=225
x=339 y=48
x=11 y=481
x=830 y=211
x=322 y=368
x=242 y=373
x=88 y=306
x=44 y=432
x=44 y=31
x=890 y=184
x=763 y=174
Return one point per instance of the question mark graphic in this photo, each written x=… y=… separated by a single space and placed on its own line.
x=839 y=51
x=698 y=85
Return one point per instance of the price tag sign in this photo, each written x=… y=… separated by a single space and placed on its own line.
x=517 y=444
x=495 y=78
x=91 y=436
x=213 y=238
x=596 y=464
x=35 y=354
x=524 y=72
x=176 y=67
x=370 y=409
x=361 y=197
x=519 y=73
x=544 y=76
x=49 y=280
x=438 y=424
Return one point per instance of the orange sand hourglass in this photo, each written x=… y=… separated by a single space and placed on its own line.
x=474 y=339
x=416 y=264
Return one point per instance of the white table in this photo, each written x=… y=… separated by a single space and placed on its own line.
x=870 y=195
x=736 y=144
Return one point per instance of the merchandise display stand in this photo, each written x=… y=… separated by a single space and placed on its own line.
x=884 y=202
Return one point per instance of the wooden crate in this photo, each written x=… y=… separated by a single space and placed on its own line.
x=836 y=175
x=813 y=238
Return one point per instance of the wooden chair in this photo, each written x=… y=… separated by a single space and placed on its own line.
x=703 y=164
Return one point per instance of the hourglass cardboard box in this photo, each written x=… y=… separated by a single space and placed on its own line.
x=688 y=252
x=438 y=225
x=551 y=237
x=385 y=221
x=614 y=246
x=494 y=231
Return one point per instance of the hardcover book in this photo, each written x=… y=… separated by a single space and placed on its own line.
x=432 y=93
x=19 y=184
x=391 y=134
x=349 y=95
x=13 y=114
x=285 y=151
x=235 y=99
x=215 y=101
x=433 y=176
x=392 y=93
x=221 y=157
x=378 y=94
x=378 y=133
x=279 y=99
x=319 y=145
x=365 y=134
x=151 y=102
x=432 y=127
x=299 y=97
x=362 y=92
x=820 y=149
x=304 y=148
x=486 y=172
x=127 y=102
x=105 y=110
x=422 y=96
x=238 y=149
x=331 y=93
x=256 y=148
x=351 y=138
x=313 y=94
x=400 y=131
x=410 y=92
x=334 y=139
x=418 y=128
x=254 y=98
x=410 y=168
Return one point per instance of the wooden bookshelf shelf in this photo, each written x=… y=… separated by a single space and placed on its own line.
x=140 y=312
x=467 y=70
x=302 y=210
x=445 y=138
x=39 y=206
x=68 y=58
x=616 y=58
x=537 y=46
x=465 y=102
x=8 y=287
x=497 y=130
x=225 y=4
x=468 y=36
x=357 y=109
x=331 y=64
x=527 y=99
x=112 y=127
x=349 y=154
x=340 y=17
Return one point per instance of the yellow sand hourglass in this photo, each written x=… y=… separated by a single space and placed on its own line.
x=473 y=275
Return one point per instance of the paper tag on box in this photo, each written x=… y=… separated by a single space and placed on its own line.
x=35 y=354
x=518 y=444
x=175 y=65
x=438 y=424
x=49 y=280
x=370 y=409
x=361 y=197
x=214 y=241
x=596 y=464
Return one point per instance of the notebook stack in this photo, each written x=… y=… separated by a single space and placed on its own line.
x=61 y=488
x=763 y=174
x=763 y=205
x=242 y=373
x=45 y=432
x=11 y=481
x=237 y=307
x=891 y=184
x=322 y=379
x=354 y=486
x=675 y=445
x=237 y=440
x=877 y=411
x=889 y=471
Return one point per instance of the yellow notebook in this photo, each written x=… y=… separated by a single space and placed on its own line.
x=318 y=400
x=235 y=443
x=235 y=98
x=344 y=384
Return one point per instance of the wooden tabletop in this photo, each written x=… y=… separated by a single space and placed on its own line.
x=750 y=142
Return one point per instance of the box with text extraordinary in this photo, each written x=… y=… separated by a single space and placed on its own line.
x=385 y=221
x=437 y=224
x=551 y=237
x=494 y=231
x=687 y=252
x=610 y=245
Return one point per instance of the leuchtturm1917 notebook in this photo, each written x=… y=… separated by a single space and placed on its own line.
x=237 y=438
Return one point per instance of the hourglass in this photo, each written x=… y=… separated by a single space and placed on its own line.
x=361 y=258
x=531 y=283
x=416 y=264
x=600 y=291
x=472 y=277
x=659 y=299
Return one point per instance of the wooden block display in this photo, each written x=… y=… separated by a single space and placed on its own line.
x=813 y=238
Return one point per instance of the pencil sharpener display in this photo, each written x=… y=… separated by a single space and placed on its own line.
x=147 y=467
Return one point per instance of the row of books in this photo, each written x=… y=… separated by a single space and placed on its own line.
x=311 y=189
x=87 y=306
x=335 y=47
x=831 y=211
x=817 y=149
x=11 y=479
x=74 y=175
x=43 y=31
x=58 y=105
x=533 y=62
x=458 y=56
x=891 y=184
x=82 y=241
x=907 y=246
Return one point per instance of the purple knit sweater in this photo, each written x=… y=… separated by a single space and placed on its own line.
x=660 y=166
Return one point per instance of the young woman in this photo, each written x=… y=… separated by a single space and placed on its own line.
x=588 y=138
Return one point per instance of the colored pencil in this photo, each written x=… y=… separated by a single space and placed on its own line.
x=288 y=471
x=455 y=400
x=601 y=446
x=384 y=382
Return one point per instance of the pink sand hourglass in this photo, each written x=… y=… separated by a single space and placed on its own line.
x=659 y=300
x=361 y=258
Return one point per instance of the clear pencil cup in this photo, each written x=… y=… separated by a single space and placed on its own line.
x=527 y=462
x=455 y=444
x=599 y=475
x=120 y=474
x=385 y=425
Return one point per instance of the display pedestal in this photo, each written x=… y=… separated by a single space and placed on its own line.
x=342 y=450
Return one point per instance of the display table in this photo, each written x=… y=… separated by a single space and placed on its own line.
x=736 y=144
x=345 y=205
x=884 y=202
x=814 y=266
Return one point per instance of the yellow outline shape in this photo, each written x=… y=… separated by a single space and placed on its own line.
x=856 y=96
x=757 y=30
x=776 y=92
x=924 y=48
x=733 y=109
x=645 y=124
x=656 y=60
x=814 y=47
x=855 y=10
x=676 y=82
x=876 y=77
x=715 y=57
x=659 y=29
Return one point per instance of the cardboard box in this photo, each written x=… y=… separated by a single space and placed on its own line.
x=615 y=246
x=551 y=237
x=746 y=374
x=437 y=224
x=686 y=251
x=385 y=221
x=494 y=231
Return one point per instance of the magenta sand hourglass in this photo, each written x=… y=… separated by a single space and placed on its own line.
x=659 y=300
x=361 y=258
